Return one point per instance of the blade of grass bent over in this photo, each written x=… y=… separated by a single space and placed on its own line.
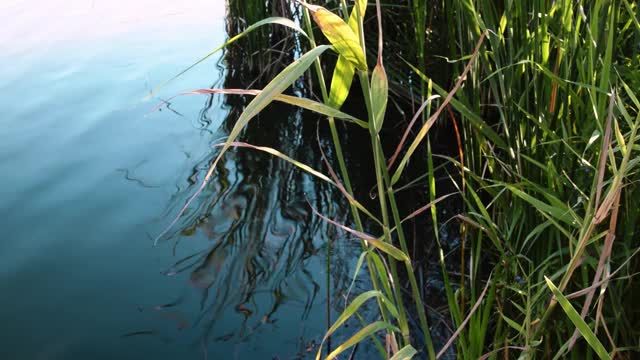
x=304 y=103
x=280 y=83
x=353 y=307
x=272 y=20
x=306 y=168
x=361 y=335
x=339 y=185
x=575 y=318
x=383 y=246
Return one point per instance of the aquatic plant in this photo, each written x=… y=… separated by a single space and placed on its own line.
x=546 y=116
x=549 y=124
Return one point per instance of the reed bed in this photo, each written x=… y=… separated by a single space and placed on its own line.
x=544 y=102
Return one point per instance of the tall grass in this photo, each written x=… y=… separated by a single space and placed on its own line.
x=545 y=106
x=550 y=126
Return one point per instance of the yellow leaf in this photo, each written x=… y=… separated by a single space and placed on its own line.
x=340 y=35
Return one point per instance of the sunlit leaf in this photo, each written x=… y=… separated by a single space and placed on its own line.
x=388 y=249
x=344 y=70
x=339 y=34
x=353 y=308
x=379 y=96
x=361 y=6
x=361 y=335
x=341 y=82
x=282 y=156
x=579 y=323
x=406 y=353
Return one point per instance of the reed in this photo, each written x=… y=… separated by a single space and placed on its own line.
x=545 y=106
x=549 y=126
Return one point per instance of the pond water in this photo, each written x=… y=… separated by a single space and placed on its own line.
x=90 y=175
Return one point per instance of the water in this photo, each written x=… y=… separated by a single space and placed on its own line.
x=89 y=175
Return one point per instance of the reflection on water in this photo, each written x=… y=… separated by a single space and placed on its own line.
x=250 y=246
x=88 y=176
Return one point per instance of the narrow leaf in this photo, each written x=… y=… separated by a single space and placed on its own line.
x=271 y=20
x=282 y=156
x=513 y=324
x=425 y=128
x=304 y=103
x=557 y=213
x=355 y=305
x=344 y=71
x=377 y=242
x=406 y=353
x=389 y=249
x=575 y=318
x=361 y=6
x=280 y=83
x=379 y=95
x=361 y=335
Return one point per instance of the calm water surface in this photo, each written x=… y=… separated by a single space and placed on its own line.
x=89 y=176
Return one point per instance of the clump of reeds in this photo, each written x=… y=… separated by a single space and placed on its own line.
x=550 y=128
x=548 y=157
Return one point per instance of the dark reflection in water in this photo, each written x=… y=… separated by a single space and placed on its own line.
x=254 y=259
x=249 y=248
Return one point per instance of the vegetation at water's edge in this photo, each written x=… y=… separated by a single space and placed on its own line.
x=543 y=97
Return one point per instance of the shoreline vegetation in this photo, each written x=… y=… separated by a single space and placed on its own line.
x=542 y=97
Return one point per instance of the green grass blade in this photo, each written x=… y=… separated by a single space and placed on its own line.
x=361 y=335
x=280 y=83
x=387 y=248
x=379 y=95
x=555 y=211
x=579 y=323
x=341 y=82
x=379 y=243
x=357 y=271
x=272 y=20
x=304 y=103
x=350 y=310
x=406 y=353
x=339 y=34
